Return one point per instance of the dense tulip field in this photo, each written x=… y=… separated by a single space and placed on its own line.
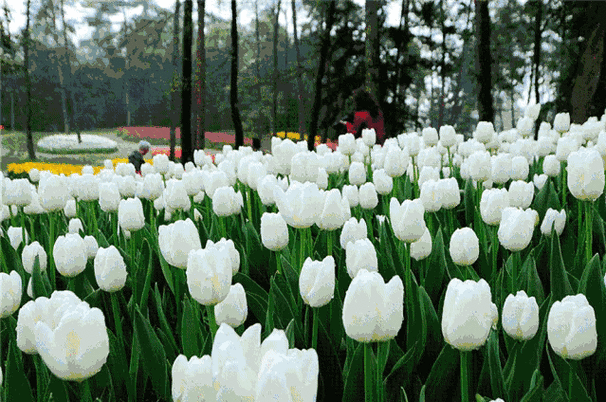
x=432 y=268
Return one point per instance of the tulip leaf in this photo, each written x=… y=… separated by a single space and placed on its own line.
x=530 y=280
x=354 y=376
x=166 y=270
x=39 y=288
x=592 y=286
x=566 y=374
x=269 y=314
x=541 y=200
x=443 y=379
x=494 y=363
x=256 y=296
x=16 y=384
x=535 y=393
x=400 y=375
x=469 y=200
x=190 y=329
x=154 y=358
x=290 y=333
x=258 y=255
x=164 y=322
x=117 y=364
x=434 y=339
x=434 y=277
x=330 y=367
x=290 y=275
x=560 y=286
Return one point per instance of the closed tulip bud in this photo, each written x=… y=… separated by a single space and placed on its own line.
x=368 y=196
x=227 y=202
x=427 y=173
x=208 y=276
x=233 y=310
x=480 y=166
x=353 y=195
x=431 y=196
x=360 y=254
x=396 y=161
x=109 y=197
x=373 y=310
x=383 y=182
x=53 y=193
x=407 y=220
x=524 y=126
x=322 y=179
x=265 y=189
x=334 y=212
x=357 y=173
x=468 y=314
x=227 y=247
x=88 y=187
x=347 y=144
x=553 y=220
x=520 y=316
x=352 y=231
x=153 y=186
x=484 y=132
x=585 y=174
x=519 y=168
x=464 y=246
x=34 y=175
x=520 y=194
x=75 y=345
x=300 y=205
x=501 y=168
x=448 y=136
x=176 y=240
x=127 y=185
x=130 y=214
x=274 y=232
x=17 y=192
x=75 y=225
x=551 y=166
x=516 y=227
x=29 y=254
x=450 y=194
x=317 y=281
x=421 y=249
x=91 y=246
x=532 y=111
x=430 y=136
x=369 y=136
x=15 y=236
x=175 y=195
x=192 y=380
x=492 y=204
x=561 y=123
x=69 y=253
x=10 y=293
x=110 y=269
x=539 y=181
x=571 y=328
x=565 y=146
x=70 y=208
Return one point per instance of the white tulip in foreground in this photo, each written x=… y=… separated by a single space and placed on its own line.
x=317 y=281
x=110 y=269
x=10 y=293
x=571 y=328
x=233 y=310
x=468 y=314
x=274 y=232
x=243 y=368
x=69 y=335
x=520 y=316
x=464 y=246
x=373 y=310
x=177 y=240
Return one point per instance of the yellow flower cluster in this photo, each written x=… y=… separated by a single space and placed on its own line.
x=295 y=136
x=58 y=168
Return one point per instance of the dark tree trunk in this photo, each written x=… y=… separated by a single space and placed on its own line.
x=299 y=73
x=313 y=129
x=186 y=152
x=274 y=102
x=233 y=93
x=485 y=107
x=28 y=89
x=372 y=47
x=442 y=66
x=537 y=49
x=174 y=115
x=201 y=79
x=70 y=80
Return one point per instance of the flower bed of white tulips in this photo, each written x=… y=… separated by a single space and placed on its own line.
x=431 y=268
x=68 y=143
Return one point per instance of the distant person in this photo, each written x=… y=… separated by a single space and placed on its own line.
x=136 y=157
x=367 y=114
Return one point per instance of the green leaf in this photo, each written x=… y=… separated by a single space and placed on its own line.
x=494 y=362
x=354 y=377
x=290 y=333
x=154 y=357
x=469 y=200
x=535 y=393
x=164 y=322
x=564 y=373
x=17 y=386
x=117 y=363
x=443 y=380
x=400 y=375
x=531 y=282
x=434 y=279
x=166 y=270
x=39 y=289
x=190 y=329
x=560 y=286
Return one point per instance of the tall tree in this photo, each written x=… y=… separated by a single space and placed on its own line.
x=484 y=61
x=372 y=47
x=301 y=105
x=174 y=109
x=233 y=92
x=536 y=59
x=274 y=103
x=186 y=150
x=200 y=78
x=28 y=87
x=69 y=80
x=324 y=47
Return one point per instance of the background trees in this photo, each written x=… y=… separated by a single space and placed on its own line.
x=423 y=66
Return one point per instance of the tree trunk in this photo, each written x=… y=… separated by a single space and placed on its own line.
x=299 y=73
x=537 y=50
x=274 y=103
x=400 y=66
x=200 y=78
x=63 y=97
x=28 y=89
x=186 y=153
x=313 y=129
x=484 y=60
x=372 y=47
x=442 y=66
x=233 y=93
x=69 y=77
x=12 y=111
x=174 y=110
x=259 y=117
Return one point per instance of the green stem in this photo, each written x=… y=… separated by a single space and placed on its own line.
x=329 y=236
x=278 y=261
x=314 y=330
x=464 y=376
x=589 y=239
x=116 y=312
x=93 y=207
x=51 y=243
x=495 y=250
x=408 y=295
x=368 y=372
x=563 y=184
x=301 y=249
x=212 y=323
x=380 y=393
